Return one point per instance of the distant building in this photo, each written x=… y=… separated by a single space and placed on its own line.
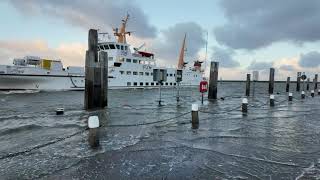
x=255 y=75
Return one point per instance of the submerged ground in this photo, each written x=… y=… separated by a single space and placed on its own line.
x=140 y=140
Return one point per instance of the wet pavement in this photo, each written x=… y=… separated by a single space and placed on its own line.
x=140 y=140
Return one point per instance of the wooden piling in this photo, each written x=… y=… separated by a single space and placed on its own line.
x=96 y=74
x=271 y=81
x=288 y=84
x=271 y=100
x=248 y=85
x=298 y=81
x=315 y=81
x=93 y=136
x=308 y=84
x=290 y=97
x=195 y=116
x=213 y=81
x=244 y=106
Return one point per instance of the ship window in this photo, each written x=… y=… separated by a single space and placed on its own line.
x=174 y=83
x=112 y=46
x=171 y=75
x=128 y=72
x=162 y=84
x=170 y=84
x=147 y=84
x=121 y=72
x=135 y=73
x=140 y=62
x=157 y=84
x=141 y=83
x=166 y=84
x=106 y=47
x=126 y=48
x=128 y=83
x=147 y=74
x=152 y=84
x=174 y=75
x=141 y=73
x=101 y=47
x=167 y=75
x=110 y=58
x=134 y=61
x=135 y=84
x=118 y=46
x=121 y=47
x=151 y=74
x=128 y=60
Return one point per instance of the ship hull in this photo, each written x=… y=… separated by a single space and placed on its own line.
x=73 y=83
x=41 y=82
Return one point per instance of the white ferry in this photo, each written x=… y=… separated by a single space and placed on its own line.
x=127 y=69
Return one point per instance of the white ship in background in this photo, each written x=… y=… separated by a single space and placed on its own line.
x=127 y=69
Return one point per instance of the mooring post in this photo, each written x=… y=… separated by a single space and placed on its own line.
x=93 y=124
x=312 y=93
x=318 y=91
x=271 y=81
x=195 y=114
x=244 y=105
x=298 y=81
x=290 y=96
x=308 y=82
x=103 y=57
x=315 y=82
x=59 y=111
x=248 y=85
x=213 y=81
x=271 y=100
x=96 y=74
x=288 y=84
x=303 y=95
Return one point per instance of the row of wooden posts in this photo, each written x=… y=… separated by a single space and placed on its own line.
x=213 y=82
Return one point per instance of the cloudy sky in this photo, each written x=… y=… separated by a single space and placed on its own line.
x=243 y=35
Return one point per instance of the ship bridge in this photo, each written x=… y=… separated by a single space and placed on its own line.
x=118 y=49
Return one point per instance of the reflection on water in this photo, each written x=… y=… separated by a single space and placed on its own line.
x=140 y=139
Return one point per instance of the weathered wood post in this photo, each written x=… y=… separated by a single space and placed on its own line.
x=312 y=93
x=303 y=95
x=195 y=116
x=271 y=81
x=308 y=84
x=244 y=105
x=213 y=81
x=298 y=81
x=315 y=81
x=271 y=100
x=248 y=85
x=93 y=125
x=96 y=74
x=290 y=96
x=288 y=84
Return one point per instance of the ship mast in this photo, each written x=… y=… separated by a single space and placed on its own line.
x=181 y=56
x=122 y=33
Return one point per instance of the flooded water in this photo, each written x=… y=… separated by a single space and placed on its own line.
x=140 y=140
